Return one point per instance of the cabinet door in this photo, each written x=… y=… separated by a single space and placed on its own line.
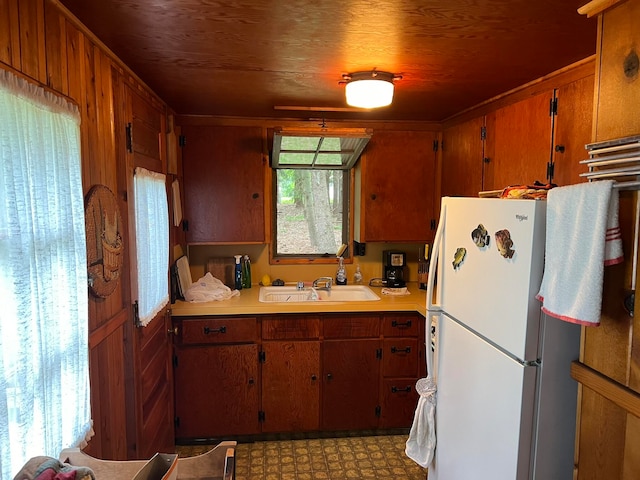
x=216 y=391
x=462 y=154
x=291 y=386
x=397 y=187
x=618 y=88
x=572 y=130
x=224 y=184
x=351 y=384
x=518 y=143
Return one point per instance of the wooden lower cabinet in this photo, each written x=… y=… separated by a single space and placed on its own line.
x=350 y=385
x=290 y=386
x=402 y=365
x=296 y=373
x=216 y=375
x=217 y=391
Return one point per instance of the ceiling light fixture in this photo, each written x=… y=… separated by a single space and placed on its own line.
x=369 y=89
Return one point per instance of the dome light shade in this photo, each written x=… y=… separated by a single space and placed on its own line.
x=369 y=89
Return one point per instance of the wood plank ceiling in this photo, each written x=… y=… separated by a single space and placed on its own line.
x=245 y=57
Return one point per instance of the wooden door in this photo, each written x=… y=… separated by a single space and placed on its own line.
x=218 y=391
x=462 y=149
x=224 y=184
x=572 y=126
x=150 y=378
x=398 y=187
x=351 y=384
x=291 y=386
x=518 y=143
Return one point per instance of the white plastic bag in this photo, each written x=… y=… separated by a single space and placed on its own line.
x=208 y=289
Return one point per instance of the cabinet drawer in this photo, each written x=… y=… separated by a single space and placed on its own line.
x=399 y=401
x=351 y=326
x=298 y=327
x=401 y=325
x=400 y=357
x=219 y=330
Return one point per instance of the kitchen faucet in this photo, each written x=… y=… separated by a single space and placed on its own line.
x=327 y=283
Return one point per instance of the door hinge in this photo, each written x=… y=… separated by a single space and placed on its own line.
x=182 y=141
x=262 y=357
x=378 y=411
x=260 y=416
x=483 y=133
x=550 y=170
x=435 y=145
x=129 y=140
x=432 y=224
x=379 y=353
x=176 y=422
x=185 y=225
x=136 y=314
x=175 y=361
x=553 y=107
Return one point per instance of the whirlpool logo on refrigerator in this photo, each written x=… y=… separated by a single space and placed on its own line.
x=522 y=218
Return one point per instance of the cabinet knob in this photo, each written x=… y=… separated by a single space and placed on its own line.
x=172 y=331
x=329 y=376
x=314 y=377
x=560 y=148
x=255 y=195
x=373 y=196
x=251 y=381
x=486 y=160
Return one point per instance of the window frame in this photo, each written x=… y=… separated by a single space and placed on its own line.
x=313 y=259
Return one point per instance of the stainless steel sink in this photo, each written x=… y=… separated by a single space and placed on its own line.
x=338 y=293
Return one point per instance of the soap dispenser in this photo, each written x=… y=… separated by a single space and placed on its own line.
x=238 y=273
x=357 y=277
x=246 y=272
x=341 y=274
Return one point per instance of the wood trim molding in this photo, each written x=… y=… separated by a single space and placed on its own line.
x=619 y=394
x=103 y=332
x=596 y=7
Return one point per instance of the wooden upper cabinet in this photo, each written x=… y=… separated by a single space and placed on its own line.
x=618 y=86
x=572 y=126
x=396 y=183
x=223 y=171
x=146 y=133
x=462 y=149
x=517 y=145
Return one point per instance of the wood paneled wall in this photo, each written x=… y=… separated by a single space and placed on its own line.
x=42 y=41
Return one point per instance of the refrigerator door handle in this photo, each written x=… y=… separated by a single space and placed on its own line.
x=434 y=301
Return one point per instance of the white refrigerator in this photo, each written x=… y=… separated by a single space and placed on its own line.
x=506 y=404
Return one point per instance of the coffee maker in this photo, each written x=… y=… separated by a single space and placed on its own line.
x=394 y=264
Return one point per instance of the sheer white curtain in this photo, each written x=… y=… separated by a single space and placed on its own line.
x=44 y=372
x=152 y=243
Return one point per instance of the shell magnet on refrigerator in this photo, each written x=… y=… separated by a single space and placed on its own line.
x=480 y=236
x=504 y=243
x=458 y=257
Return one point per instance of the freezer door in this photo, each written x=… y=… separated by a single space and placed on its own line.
x=484 y=409
x=494 y=295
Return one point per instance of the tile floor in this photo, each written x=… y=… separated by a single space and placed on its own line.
x=373 y=457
